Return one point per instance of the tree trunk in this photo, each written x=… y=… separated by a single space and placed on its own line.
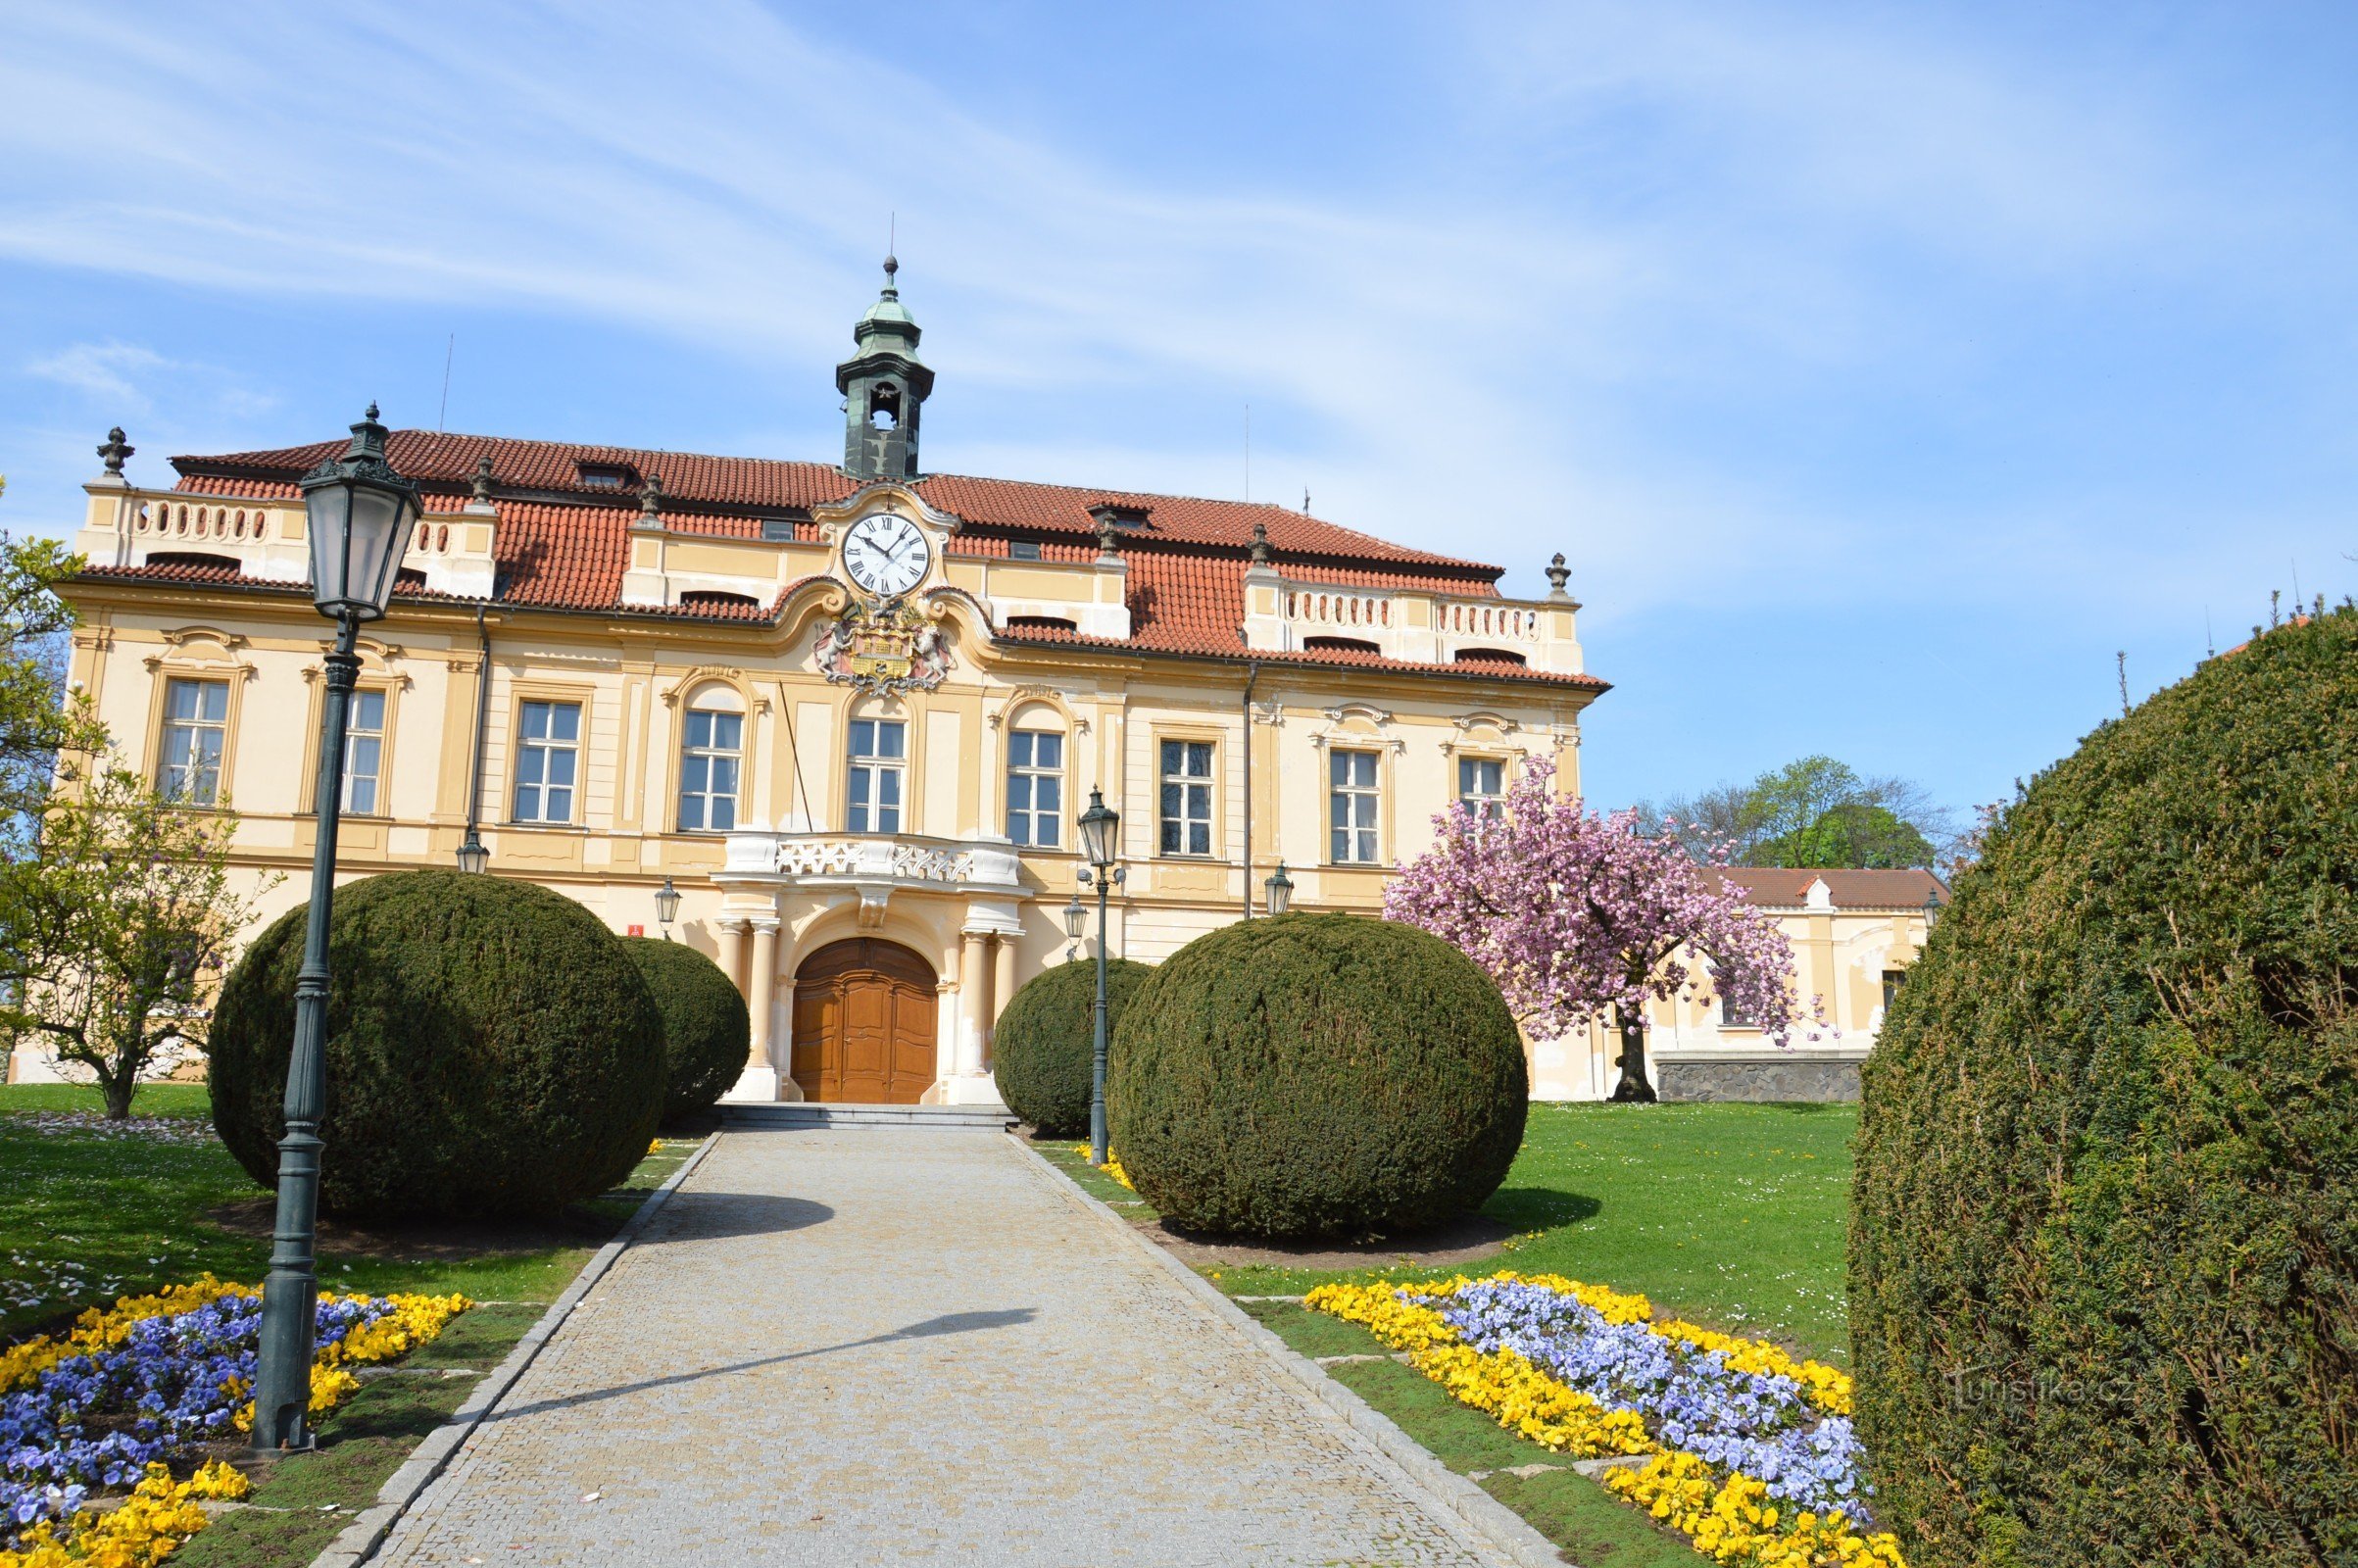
x=1633 y=1088
x=117 y=1088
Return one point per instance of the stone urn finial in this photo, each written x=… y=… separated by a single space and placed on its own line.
x=1261 y=543
x=1559 y=573
x=115 y=451
x=482 y=479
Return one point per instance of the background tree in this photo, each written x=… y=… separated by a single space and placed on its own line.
x=1815 y=811
x=1576 y=914
x=36 y=722
x=118 y=908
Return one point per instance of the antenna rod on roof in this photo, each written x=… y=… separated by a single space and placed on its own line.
x=1247 y=454
x=442 y=415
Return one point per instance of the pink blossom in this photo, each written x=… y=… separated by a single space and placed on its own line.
x=1572 y=912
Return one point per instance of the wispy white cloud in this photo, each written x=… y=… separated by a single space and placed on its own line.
x=110 y=372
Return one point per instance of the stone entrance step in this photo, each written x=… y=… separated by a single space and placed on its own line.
x=986 y=1118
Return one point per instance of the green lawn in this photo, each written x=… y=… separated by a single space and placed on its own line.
x=86 y=1216
x=1732 y=1216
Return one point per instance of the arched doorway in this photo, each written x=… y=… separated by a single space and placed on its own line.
x=863 y=1024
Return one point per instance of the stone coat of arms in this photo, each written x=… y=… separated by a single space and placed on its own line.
x=885 y=647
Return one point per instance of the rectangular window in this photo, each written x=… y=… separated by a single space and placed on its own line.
x=1034 y=787
x=196 y=721
x=1732 y=1016
x=1482 y=787
x=548 y=755
x=879 y=757
x=709 y=762
x=363 y=751
x=1187 y=797
x=1893 y=980
x=1023 y=550
x=1352 y=807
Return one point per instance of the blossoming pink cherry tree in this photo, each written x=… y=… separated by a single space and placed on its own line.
x=1572 y=912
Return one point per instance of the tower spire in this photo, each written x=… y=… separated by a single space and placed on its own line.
x=884 y=386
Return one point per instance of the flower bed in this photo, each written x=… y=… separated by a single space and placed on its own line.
x=147 y=1385
x=1112 y=1166
x=1753 y=1458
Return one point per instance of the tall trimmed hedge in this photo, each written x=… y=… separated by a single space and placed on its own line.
x=1316 y=1075
x=2104 y=1244
x=708 y=1033
x=491 y=1050
x=1045 y=1060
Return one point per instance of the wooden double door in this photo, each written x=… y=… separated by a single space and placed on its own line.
x=865 y=1014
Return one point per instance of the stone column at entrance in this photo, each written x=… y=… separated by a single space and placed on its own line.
x=733 y=953
x=973 y=1000
x=766 y=989
x=1003 y=986
x=757 y=976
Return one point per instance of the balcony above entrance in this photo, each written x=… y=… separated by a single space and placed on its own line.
x=876 y=865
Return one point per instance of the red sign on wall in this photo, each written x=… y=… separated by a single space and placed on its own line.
x=636 y=931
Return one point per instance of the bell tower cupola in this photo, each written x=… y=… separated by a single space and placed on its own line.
x=884 y=386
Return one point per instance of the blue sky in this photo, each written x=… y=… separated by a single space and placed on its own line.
x=1881 y=370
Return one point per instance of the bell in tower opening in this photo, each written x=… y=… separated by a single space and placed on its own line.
x=884 y=385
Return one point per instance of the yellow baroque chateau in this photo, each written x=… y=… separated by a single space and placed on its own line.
x=850 y=713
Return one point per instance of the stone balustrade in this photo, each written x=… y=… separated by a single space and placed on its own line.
x=266 y=540
x=1422 y=627
x=888 y=860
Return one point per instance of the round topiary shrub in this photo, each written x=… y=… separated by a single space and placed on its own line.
x=1316 y=1075
x=1043 y=1059
x=708 y=1033
x=491 y=1050
x=2104 y=1238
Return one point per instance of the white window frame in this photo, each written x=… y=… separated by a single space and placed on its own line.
x=364 y=734
x=1486 y=804
x=882 y=772
x=538 y=754
x=1194 y=814
x=714 y=806
x=1358 y=838
x=1027 y=780
x=197 y=780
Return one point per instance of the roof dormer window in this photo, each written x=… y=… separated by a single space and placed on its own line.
x=606 y=475
x=1120 y=517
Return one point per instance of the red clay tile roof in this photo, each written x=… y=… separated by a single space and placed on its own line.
x=564 y=544
x=1788 y=887
x=447 y=464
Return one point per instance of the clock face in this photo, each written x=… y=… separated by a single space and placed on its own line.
x=886 y=554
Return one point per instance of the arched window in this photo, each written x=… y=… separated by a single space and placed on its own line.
x=1340 y=645
x=1489 y=656
x=712 y=745
x=1036 y=781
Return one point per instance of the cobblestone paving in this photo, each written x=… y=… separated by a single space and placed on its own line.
x=908 y=1347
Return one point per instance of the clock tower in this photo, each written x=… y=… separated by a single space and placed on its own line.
x=884 y=386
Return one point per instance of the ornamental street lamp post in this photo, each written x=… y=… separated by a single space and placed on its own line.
x=1098 y=826
x=361 y=516
x=1076 y=921
x=1280 y=887
x=473 y=857
x=666 y=906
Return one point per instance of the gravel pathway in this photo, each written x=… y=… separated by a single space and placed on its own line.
x=909 y=1347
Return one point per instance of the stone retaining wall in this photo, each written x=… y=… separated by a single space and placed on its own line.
x=1804 y=1078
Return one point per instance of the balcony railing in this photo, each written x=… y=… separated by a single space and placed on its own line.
x=904 y=859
